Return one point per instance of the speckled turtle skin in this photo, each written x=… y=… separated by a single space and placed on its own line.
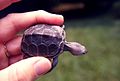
x=48 y=41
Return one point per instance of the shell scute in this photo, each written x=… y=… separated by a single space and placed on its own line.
x=42 y=49
x=32 y=48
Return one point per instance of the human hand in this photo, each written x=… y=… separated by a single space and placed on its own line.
x=12 y=65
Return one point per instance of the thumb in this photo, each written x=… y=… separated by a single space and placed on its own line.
x=26 y=70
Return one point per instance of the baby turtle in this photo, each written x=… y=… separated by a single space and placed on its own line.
x=48 y=41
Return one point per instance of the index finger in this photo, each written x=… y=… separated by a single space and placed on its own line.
x=13 y=23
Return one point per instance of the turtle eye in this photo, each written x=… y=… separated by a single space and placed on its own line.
x=52 y=48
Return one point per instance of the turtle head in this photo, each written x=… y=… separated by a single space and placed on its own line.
x=75 y=48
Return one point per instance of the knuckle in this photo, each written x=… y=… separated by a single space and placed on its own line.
x=42 y=12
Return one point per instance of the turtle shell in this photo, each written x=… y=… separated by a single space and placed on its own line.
x=43 y=40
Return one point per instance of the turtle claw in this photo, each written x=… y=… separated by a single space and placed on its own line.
x=75 y=48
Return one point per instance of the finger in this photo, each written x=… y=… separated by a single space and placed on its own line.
x=26 y=70
x=14 y=23
x=3 y=57
x=15 y=59
x=5 y=3
x=13 y=46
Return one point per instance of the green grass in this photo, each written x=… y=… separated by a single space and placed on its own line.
x=101 y=63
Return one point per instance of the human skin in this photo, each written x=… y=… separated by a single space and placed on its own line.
x=12 y=65
x=6 y=3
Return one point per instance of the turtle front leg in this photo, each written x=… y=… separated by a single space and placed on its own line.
x=54 y=63
x=75 y=48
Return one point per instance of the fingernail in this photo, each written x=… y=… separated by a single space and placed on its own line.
x=60 y=16
x=42 y=67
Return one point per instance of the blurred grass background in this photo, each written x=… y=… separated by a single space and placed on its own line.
x=101 y=36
